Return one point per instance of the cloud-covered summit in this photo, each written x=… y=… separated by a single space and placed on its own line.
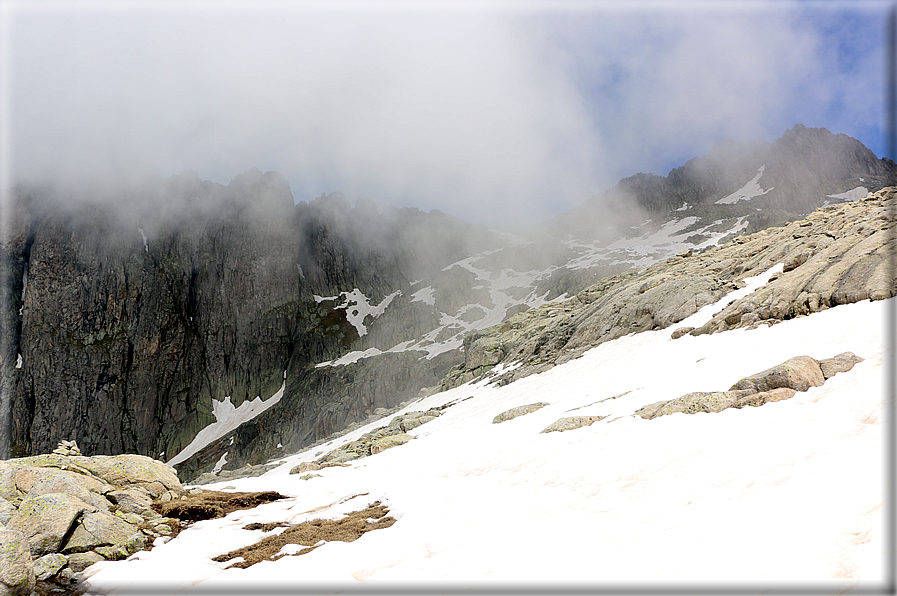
x=488 y=112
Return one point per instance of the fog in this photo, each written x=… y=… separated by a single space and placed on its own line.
x=494 y=112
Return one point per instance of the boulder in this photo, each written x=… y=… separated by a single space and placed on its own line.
x=80 y=561
x=130 y=500
x=841 y=363
x=692 y=403
x=40 y=481
x=306 y=466
x=572 y=422
x=49 y=565
x=518 y=411
x=676 y=334
x=799 y=373
x=16 y=571
x=483 y=351
x=758 y=399
x=46 y=520
x=384 y=443
x=132 y=470
x=6 y=511
x=98 y=529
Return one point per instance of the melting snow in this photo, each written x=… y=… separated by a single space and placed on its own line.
x=748 y=191
x=791 y=491
x=143 y=235
x=854 y=194
x=424 y=295
x=220 y=463
x=358 y=306
x=227 y=418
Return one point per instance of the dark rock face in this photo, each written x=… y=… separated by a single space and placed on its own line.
x=120 y=326
x=800 y=169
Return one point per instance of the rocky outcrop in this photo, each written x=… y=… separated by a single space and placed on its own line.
x=782 y=381
x=852 y=247
x=837 y=255
x=518 y=411
x=377 y=440
x=571 y=423
x=62 y=513
x=120 y=329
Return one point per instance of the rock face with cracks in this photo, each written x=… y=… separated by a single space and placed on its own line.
x=837 y=255
x=62 y=513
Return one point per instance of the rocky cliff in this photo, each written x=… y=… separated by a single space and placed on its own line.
x=133 y=323
x=122 y=326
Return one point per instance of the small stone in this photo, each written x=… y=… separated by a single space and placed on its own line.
x=680 y=332
x=572 y=422
x=518 y=411
x=385 y=443
x=78 y=562
x=306 y=466
x=49 y=565
x=16 y=571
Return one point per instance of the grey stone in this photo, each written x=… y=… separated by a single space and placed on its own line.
x=798 y=373
x=484 y=351
x=98 y=529
x=6 y=511
x=78 y=562
x=841 y=363
x=306 y=466
x=123 y=550
x=46 y=519
x=693 y=403
x=518 y=411
x=16 y=571
x=384 y=443
x=572 y=422
x=130 y=501
x=676 y=334
x=40 y=481
x=49 y=565
x=758 y=399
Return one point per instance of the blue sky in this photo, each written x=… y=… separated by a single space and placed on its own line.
x=489 y=111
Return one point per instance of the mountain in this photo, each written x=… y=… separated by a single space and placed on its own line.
x=217 y=327
x=583 y=455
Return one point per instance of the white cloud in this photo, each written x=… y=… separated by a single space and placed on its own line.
x=484 y=113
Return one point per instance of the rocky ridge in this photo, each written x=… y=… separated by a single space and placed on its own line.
x=145 y=322
x=836 y=255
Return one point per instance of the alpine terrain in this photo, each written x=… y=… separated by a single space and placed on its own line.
x=220 y=387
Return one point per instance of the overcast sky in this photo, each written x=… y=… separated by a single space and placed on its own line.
x=487 y=111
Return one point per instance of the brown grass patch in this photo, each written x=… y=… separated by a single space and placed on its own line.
x=210 y=504
x=308 y=534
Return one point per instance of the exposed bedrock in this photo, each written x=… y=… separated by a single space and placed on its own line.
x=840 y=254
x=121 y=328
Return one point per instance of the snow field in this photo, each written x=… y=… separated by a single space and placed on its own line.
x=791 y=491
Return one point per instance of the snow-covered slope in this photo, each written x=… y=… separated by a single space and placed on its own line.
x=788 y=494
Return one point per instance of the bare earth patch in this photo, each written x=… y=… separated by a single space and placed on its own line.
x=211 y=504
x=309 y=534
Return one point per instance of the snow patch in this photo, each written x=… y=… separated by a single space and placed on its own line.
x=854 y=194
x=143 y=235
x=227 y=418
x=424 y=295
x=19 y=361
x=748 y=191
x=220 y=464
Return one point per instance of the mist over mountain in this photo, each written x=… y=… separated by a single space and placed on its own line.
x=135 y=319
